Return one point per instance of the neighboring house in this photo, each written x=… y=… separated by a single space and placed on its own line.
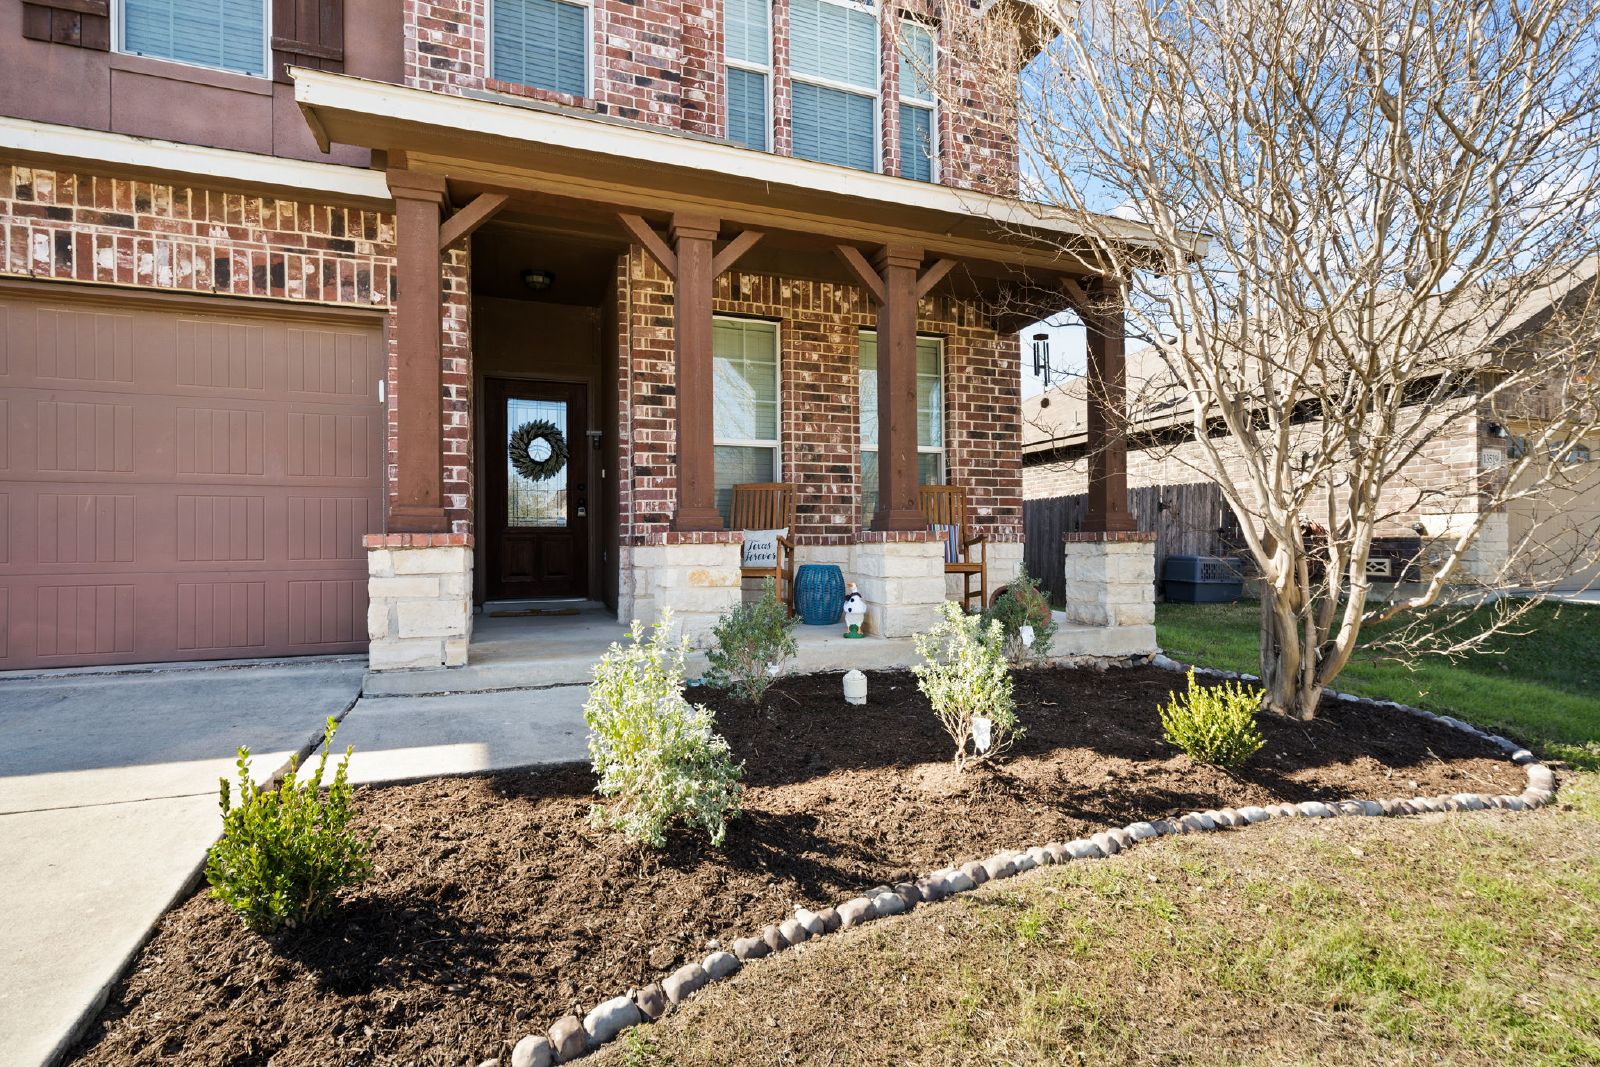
x=279 y=282
x=1438 y=493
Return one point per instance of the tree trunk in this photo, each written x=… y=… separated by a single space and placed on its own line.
x=1287 y=674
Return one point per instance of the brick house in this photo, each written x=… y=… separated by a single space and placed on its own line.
x=279 y=279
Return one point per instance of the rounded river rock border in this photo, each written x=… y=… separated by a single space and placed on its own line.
x=571 y=1037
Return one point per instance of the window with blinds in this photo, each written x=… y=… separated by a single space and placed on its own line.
x=918 y=137
x=225 y=34
x=543 y=44
x=744 y=399
x=747 y=33
x=833 y=53
x=930 y=417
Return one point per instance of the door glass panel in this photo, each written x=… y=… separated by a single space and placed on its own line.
x=538 y=501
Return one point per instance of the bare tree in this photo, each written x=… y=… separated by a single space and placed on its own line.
x=1397 y=200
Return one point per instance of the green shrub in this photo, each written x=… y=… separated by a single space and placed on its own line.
x=1214 y=724
x=965 y=677
x=653 y=751
x=752 y=643
x=286 y=852
x=1023 y=603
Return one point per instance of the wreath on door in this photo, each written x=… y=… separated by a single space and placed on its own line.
x=521 y=450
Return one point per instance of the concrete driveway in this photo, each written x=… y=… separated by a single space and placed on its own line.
x=108 y=802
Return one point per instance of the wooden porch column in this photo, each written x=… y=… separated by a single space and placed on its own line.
x=693 y=237
x=418 y=501
x=1101 y=310
x=898 y=506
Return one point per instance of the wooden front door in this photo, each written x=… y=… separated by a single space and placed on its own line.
x=538 y=526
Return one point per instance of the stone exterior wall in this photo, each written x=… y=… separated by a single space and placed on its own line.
x=661 y=62
x=819 y=327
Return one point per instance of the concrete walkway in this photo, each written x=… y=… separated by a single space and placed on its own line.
x=108 y=802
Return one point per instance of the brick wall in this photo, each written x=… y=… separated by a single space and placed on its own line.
x=661 y=62
x=65 y=224
x=820 y=441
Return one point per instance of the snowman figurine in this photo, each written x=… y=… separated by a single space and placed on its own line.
x=855 y=611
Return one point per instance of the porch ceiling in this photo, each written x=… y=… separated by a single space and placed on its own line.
x=590 y=164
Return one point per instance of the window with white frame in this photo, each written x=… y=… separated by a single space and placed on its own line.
x=543 y=44
x=930 y=417
x=834 y=86
x=224 y=34
x=747 y=36
x=744 y=397
x=919 y=137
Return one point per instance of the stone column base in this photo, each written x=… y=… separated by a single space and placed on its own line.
x=901 y=577
x=694 y=574
x=1111 y=579
x=419 y=600
x=1005 y=563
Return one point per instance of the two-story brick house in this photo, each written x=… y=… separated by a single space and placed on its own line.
x=279 y=279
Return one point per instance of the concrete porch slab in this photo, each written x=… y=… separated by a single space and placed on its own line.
x=561 y=650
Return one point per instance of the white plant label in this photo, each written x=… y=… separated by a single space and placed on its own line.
x=1026 y=633
x=982 y=731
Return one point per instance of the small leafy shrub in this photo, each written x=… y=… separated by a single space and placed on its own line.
x=286 y=852
x=652 y=751
x=1214 y=724
x=965 y=677
x=752 y=643
x=1023 y=603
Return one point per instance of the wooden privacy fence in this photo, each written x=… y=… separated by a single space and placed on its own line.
x=1190 y=519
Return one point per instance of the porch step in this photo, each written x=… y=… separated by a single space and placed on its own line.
x=500 y=662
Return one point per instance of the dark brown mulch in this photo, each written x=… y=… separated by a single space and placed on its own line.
x=495 y=908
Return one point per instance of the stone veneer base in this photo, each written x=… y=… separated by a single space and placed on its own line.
x=419 y=600
x=1110 y=581
x=571 y=1037
x=902 y=580
x=698 y=580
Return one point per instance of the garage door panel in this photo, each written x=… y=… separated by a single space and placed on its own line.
x=183 y=486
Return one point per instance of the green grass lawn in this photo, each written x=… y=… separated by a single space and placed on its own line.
x=1540 y=685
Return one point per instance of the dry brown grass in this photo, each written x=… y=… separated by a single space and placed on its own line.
x=1463 y=939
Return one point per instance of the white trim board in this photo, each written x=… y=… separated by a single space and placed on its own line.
x=191 y=162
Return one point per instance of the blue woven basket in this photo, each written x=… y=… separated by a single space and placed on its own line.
x=819 y=593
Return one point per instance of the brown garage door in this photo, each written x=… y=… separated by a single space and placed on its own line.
x=182 y=480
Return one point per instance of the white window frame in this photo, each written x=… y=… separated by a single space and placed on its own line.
x=766 y=73
x=846 y=87
x=589 y=80
x=776 y=444
x=922 y=450
x=930 y=106
x=119 y=25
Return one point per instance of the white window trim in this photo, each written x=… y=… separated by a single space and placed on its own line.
x=876 y=94
x=930 y=106
x=768 y=134
x=588 y=49
x=119 y=25
x=776 y=444
x=944 y=389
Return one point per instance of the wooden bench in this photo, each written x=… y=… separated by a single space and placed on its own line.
x=946 y=506
x=768 y=506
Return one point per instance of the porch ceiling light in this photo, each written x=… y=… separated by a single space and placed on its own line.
x=538 y=280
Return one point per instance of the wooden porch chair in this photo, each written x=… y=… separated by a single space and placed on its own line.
x=768 y=506
x=945 y=508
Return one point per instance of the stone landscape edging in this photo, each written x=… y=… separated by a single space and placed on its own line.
x=571 y=1037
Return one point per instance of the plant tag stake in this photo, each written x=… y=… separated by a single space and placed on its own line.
x=981 y=730
x=1026 y=634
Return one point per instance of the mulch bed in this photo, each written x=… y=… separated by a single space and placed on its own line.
x=495 y=908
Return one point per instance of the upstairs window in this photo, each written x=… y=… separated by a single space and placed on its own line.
x=744 y=399
x=224 y=34
x=833 y=52
x=747 y=31
x=543 y=44
x=930 y=417
x=919 y=148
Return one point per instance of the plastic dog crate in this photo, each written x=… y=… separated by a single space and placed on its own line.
x=1202 y=579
